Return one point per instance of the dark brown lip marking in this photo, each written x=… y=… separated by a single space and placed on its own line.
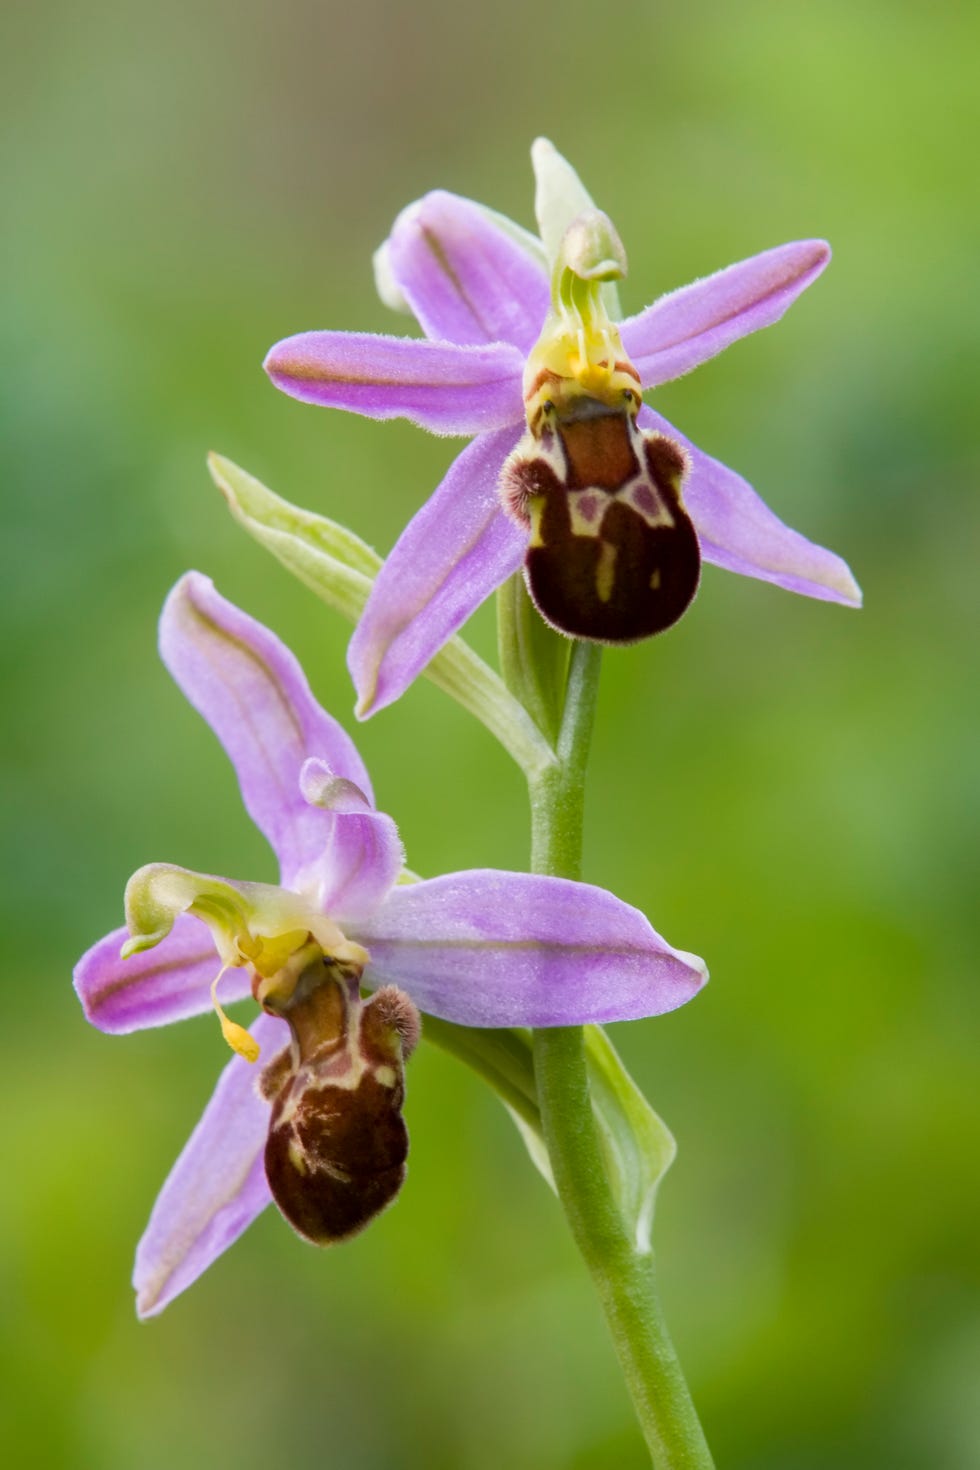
x=599 y=452
x=337 y=1145
x=613 y=555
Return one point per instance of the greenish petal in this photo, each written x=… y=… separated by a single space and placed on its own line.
x=533 y=657
x=559 y=198
x=637 y=1146
x=340 y=568
x=334 y=563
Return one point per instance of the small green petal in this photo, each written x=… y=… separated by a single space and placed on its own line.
x=340 y=568
x=560 y=197
x=334 y=563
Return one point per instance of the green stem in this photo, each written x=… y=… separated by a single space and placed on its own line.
x=623 y=1277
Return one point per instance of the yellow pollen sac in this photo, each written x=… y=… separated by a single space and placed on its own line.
x=274 y=992
x=269 y=952
x=240 y=1040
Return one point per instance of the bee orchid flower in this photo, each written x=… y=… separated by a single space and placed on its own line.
x=318 y=1127
x=609 y=508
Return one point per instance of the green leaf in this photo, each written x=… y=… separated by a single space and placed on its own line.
x=533 y=657
x=337 y=565
x=637 y=1145
x=340 y=568
x=503 y=1058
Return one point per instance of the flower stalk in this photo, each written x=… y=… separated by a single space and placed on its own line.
x=615 y=1249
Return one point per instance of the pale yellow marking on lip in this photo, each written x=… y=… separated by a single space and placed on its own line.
x=535 y=508
x=581 y=525
x=605 y=577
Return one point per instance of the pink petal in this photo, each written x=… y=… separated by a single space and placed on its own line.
x=440 y=386
x=160 y=985
x=488 y=948
x=254 y=695
x=217 y=1186
x=366 y=853
x=451 y=556
x=738 y=531
x=684 y=329
x=465 y=277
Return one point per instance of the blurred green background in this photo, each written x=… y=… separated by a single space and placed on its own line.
x=787 y=787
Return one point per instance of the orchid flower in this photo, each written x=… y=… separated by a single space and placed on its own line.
x=528 y=365
x=322 y=1131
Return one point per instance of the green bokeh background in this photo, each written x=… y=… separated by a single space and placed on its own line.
x=787 y=787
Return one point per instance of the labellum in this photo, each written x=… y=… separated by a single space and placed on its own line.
x=613 y=556
x=337 y=1145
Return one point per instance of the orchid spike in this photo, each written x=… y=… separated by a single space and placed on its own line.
x=499 y=307
x=322 y=1132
